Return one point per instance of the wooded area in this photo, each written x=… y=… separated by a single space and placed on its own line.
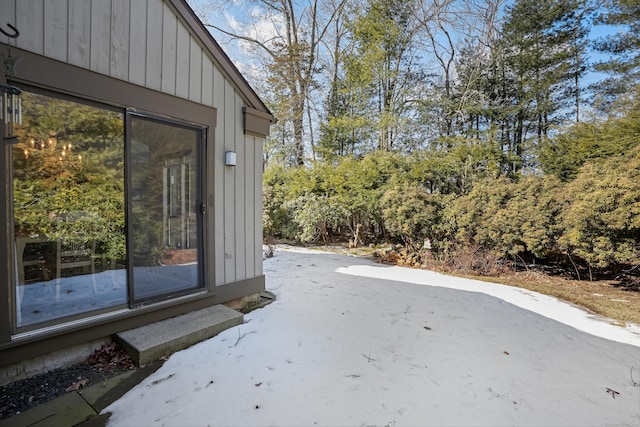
x=493 y=128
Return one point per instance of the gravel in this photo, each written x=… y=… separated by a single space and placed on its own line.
x=21 y=395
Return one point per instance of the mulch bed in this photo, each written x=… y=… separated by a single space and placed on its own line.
x=107 y=362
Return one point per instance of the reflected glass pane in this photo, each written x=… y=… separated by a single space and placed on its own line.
x=69 y=210
x=164 y=214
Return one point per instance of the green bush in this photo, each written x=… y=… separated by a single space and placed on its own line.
x=411 y=214
x=602 y=220
x=318 y=217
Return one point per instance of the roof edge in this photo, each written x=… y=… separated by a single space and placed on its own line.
x=223 y=60
x=256 y=122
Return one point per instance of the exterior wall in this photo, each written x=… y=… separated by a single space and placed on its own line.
x=148 y=43
x=155 y=56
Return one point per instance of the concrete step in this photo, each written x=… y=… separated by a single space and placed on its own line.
x=151 y=342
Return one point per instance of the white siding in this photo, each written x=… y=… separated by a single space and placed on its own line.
x=219 y=173
x=30 y=15
x=138 y=42
x=8 y=14
x=182 y=61
x=207 y=81
x=169 y=40
x=56 y=28
x=195 y=71
x=100 y=36
x=241 y=171
x=146 y=43
x=119 y=57
x=230 y=191
x=153 y=72
x=258 y=144
x=79 y=40
x=249 y=206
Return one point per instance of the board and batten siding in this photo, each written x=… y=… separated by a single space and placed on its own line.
x=146 y=43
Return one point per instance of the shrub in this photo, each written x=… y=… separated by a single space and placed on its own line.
x=317 y=216
x=602 y=221
x=410 y=213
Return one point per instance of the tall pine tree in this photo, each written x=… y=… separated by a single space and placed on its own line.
x=537 y=58
x=623 y=49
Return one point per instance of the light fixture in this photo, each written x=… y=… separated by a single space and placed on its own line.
x=10 y=110
x=230 y=158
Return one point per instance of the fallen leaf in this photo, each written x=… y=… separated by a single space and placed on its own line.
x=76 y=386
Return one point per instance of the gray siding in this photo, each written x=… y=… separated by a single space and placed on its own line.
x=147 y=43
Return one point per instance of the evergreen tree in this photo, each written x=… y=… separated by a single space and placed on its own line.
x=379 y=66
x=537 y=58
x=623 y=49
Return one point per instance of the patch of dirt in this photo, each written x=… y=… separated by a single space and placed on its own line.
x=104 y=363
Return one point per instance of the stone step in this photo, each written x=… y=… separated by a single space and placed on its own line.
x=151 y=342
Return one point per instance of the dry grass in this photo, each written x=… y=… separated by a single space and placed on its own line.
x=600 y=297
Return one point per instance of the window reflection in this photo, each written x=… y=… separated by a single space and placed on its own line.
x=164 y=208
x=69 y=209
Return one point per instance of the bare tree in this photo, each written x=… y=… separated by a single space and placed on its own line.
x=295 y=32
x=447 y=26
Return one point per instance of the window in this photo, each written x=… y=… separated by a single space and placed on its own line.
x=68 y=208
x=103 y=219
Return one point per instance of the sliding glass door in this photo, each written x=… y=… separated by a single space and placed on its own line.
x=106 y=209
x=165 y=214
x=68 y=209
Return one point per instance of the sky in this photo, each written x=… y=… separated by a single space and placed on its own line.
x=246 y=17
x=352 y=343
x=236 y=15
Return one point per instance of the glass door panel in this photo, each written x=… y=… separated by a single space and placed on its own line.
x=68 y=208
x=164 y=209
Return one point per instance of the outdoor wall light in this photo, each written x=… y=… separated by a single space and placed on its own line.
x=230 y=158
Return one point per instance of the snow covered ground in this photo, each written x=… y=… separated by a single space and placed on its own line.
x=352 y=343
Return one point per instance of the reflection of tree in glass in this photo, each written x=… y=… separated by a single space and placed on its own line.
x=156 y=148
x=69 y=174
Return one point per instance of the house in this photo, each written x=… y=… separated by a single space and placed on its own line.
x=132 y=170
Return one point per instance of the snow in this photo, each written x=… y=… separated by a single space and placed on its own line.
x=352 y=343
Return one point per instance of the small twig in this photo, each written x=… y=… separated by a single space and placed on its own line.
x=612 y=392
x=369 y=357
x=353 y=376
x=631 y=269
x=494 y=393
x=523 y=263
x=242 y=336
x=574 y=265
x=156 y=382
x=635 y=384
